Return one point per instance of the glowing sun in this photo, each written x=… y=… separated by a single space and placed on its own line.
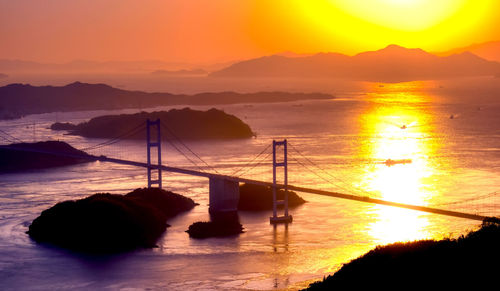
x=407 y=15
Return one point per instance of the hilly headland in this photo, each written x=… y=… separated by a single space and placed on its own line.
x=19 y=157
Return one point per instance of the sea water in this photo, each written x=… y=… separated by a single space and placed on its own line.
x=452 y=151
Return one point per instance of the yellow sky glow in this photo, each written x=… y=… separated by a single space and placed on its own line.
x=357 y=25
x=224 y=30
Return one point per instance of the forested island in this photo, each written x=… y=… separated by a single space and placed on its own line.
x=260 y=198
x=109 y=223
x=176 y=123
x=220 y=225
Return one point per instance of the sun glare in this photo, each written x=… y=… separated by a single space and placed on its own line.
x=427 y=24
x=408 y=15
x=400 y=153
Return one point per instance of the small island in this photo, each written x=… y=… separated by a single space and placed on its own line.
x=252 y=198
x=176 y=123
x=220 y=225
x=469 y=260
x=40 y=155
x=259 y=198
x=109 y=223
x=62 y=126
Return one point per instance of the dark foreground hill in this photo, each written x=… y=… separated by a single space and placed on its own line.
x=108 y=223
x=184 y=123
x=39 y=155
x=17 y=100
x=470 y=261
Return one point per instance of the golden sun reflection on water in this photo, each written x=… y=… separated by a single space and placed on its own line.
x=396 y=144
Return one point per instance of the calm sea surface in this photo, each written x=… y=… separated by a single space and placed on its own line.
x=339 y=145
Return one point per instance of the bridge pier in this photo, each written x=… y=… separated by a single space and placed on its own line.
x=223 y=195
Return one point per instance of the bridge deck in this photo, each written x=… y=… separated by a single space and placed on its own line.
x=279 y=186
x=306 y=190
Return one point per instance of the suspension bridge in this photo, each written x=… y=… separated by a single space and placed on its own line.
x=224 y=189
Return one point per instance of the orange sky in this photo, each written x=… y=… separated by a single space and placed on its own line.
x=221 y=30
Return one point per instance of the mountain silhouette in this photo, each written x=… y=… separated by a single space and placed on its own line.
x=10 y=66
x=171 y=73
x=488 y=50
x=87 y=66
x=390 y=64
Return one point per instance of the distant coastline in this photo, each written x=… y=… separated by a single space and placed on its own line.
x=18 y=100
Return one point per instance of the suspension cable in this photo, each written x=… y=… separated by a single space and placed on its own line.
x=247 y=170
x=494 y=193
x=321 y=177
x=182 y=153
x=328 y=174
x=250 y=162
x=187 y=147
x=8 y=140
x=116 y=139
x=11 y=136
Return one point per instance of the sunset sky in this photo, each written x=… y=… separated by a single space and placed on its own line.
x=204 y=31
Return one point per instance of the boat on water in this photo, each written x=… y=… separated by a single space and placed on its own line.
x=391 y=162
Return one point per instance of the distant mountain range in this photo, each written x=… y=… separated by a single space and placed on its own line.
x=17 y=100
x=79 y=66
x=489 y=50
x=180 y=73
x=84 y=66
x=391 y=64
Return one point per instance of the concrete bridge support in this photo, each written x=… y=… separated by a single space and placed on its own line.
x=224 y=195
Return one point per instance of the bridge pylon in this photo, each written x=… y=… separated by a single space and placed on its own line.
x=285 y=218
x=155 y=143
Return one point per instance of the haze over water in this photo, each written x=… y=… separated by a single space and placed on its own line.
x=339 y=145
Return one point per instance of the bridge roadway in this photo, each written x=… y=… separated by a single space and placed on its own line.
x=365 y=199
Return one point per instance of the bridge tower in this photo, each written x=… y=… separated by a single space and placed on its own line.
x=285 y=218
x=153 y=142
